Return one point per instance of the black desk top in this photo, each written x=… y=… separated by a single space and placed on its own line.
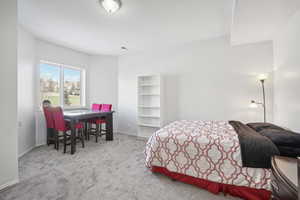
x=84 y=114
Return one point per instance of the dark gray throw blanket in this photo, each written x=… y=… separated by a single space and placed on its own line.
x=256 y=149
x=287 y=142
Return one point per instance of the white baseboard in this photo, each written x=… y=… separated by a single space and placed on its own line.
x=41 y=144
x=136 y=136
x=9 y=184
x=126 y=133
x=22 y=154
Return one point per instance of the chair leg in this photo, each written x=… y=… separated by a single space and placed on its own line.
x=86 y=130
x=101 y=130
x=82 y=137
x=96 y=133
x=54 y=140
x=89 y=131
x=65 y=142
x=57 y=143
x=57 y=140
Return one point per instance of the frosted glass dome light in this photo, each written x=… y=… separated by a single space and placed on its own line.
x=111 y=6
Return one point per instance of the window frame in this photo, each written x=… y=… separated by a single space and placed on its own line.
x=61 y=84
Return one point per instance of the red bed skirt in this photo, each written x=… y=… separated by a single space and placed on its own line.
x=238 y=191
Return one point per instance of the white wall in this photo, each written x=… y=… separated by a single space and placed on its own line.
x=206 y=80
x=257 y=20
x=287 y=75
x=8 y=91
x=53 y=53
x=58 y=54
x=26 y=91
x=102 y=83
x=101 y=77
x=101 y=80
x=46 y=51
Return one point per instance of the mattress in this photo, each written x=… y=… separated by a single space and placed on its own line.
x=207 y=150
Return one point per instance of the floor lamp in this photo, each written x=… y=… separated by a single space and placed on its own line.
x=262 y=78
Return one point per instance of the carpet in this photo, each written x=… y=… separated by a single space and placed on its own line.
x=108 y=170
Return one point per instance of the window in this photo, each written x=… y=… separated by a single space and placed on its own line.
x=72 y=87
x=61 y=84
x=50 y=83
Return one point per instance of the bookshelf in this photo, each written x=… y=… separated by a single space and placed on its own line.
x=149 y=104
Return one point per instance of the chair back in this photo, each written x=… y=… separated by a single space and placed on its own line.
x=106 y=107
x=96 y=107
x=58 y=118
x=48 y=117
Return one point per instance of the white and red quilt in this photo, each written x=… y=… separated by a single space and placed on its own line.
x=207 y=150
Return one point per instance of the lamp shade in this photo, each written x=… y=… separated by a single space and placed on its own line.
x=262 y=77
x=253 y=104
x=111 y=6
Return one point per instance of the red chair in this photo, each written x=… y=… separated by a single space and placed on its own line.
x=96 y=107
x=63 y=126
x=99 y=131
x=48 y=117
x=105 y=107
x=50 y=126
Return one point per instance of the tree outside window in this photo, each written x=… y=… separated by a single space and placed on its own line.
x=54 y=77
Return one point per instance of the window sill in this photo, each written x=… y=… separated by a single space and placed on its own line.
x=40 y=109
x=75 y=108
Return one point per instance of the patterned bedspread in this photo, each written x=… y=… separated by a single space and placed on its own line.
x=208 y=150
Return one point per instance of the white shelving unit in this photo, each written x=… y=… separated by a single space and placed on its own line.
x=149 y=104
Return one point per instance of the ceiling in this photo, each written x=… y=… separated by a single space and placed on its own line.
x=139 y=25
x=260 y=20
x=152 y=24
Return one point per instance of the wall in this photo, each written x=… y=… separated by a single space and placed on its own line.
x=287 y=74
x=103 y=81
x=26 y=91
x=58 y=54
x=206 y=80
x=53 y=53
x=101 y=74
x=8 y=90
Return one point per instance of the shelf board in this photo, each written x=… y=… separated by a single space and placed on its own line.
x=149 y=94
x=150 y=125
x=149 y=116
x=149 y=85
x=154 y=107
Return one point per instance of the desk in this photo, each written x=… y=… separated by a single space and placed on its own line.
x=74 y=116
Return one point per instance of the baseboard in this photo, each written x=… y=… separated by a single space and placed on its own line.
x=142 y=138
x=22 y=154
x=8 y=184
x=126 y=133
x=136 y=136
x=38 y=145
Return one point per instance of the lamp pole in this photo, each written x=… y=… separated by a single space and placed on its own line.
x=264 y=99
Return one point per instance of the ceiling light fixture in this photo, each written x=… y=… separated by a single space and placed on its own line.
x=111 y=6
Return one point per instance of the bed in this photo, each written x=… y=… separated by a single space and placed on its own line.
x=211 y=155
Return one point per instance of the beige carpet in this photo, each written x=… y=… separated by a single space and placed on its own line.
x=101 y=171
